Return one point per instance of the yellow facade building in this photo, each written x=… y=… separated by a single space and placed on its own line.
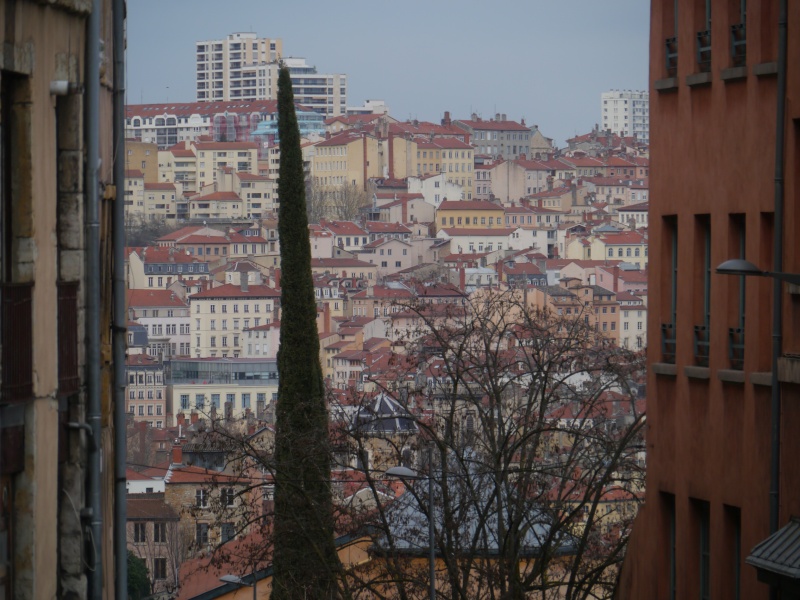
x=477 y=214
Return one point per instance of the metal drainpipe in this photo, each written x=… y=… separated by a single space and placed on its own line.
x=777 y=284
x=119 y=333
x=777 y=261
x=92 y=132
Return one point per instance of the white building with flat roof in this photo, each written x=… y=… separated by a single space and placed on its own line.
x=245 y=67
x=626 y=113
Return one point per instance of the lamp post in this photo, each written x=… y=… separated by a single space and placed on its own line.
x=236 y=580
x=406 y=473
x=741 y=267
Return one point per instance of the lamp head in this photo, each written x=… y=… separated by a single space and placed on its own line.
x=739 y=266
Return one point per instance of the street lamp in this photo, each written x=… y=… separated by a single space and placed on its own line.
x=236 y=580
x=741 y=267
x=405 y=473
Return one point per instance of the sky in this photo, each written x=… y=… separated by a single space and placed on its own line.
x=546 y=61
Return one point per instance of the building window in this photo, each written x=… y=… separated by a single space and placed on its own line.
x=227 y=532
x=704 y=546
x=139 y=533
x=227 y=496
x=159 y=568
x=201 y=498
x=160 y=532
x=201 y=534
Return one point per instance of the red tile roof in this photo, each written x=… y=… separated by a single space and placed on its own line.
x=158 y=254
x=230 y=290
x=219 y=196
x=493 y=125
x=204 y=239
x=321 y=263
x=381 y=227
x=461 y=231
x=133 y=174
x=154 y=298
x=624 y=237
x=187 y=109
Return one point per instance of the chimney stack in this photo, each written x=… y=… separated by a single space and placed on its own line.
x=462 y=279
x=177 y=454
x=180 y=418
x=277 y=278
x=194 y=416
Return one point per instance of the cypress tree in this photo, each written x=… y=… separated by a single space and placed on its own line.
x=305 y=561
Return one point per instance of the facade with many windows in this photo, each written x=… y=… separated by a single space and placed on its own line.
x=627 y=113
x=722 y=358
x=145 y=390
x=220 y=315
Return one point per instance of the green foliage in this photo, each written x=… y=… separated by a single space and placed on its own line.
x=305 y=560
x=138 y=577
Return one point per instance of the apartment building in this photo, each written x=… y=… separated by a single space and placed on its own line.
x=347 y=159
x=142 y=156
x=475 y=214
x=497 y=137
x=227 y=69
x=165 y=317
x=722 y=489
x=626 y=113
x=220 y=315
x=245 y=67
x=158 y=267
x=227 y=388
x=174 y=123
x=145 y=390
x=213 y=156
x=450 y=156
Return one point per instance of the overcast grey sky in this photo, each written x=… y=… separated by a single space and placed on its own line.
x=543 y=60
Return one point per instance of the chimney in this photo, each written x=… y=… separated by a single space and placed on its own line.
x=462 y=279
x=181 y=419
x=194 y=416
x=244 y=280
x=177 y=454
x=446 y=121
x=616 y=279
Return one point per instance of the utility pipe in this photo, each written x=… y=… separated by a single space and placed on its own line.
x=119 y=333
x=93 y=417
x=777 y=284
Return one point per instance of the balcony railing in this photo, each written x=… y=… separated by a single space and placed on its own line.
x=739 y=45
x=17 y=340
x=68 y=375
x=671 y=54
x=701 y=345
x=736 y=347
x=704 y=51
x=668 y=343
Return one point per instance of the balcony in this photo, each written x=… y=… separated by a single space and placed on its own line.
x=68 y=374
x=668 y=345
x=671 y=54
x=704 y=51
x=736 y=347
x=16 y=326
x=701 y=345
x=739 y=45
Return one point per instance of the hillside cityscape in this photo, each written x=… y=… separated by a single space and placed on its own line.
x=272 y=342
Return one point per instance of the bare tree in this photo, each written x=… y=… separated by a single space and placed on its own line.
x=535 y=427
x=341 y=202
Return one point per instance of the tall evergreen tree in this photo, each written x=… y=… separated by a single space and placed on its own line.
x=305 y=561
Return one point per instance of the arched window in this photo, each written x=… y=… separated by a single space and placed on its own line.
x=628 y=252
x=619 y=252
x=611 y=252
x=636 y=252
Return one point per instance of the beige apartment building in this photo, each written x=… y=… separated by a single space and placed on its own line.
x=221 y=315
x=350 y=158
x=142 y=156
x=212 y=156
